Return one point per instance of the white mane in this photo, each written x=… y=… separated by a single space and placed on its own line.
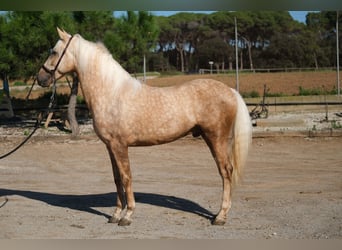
x=95 y=59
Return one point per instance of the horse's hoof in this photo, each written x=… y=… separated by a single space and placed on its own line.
x=125 y=222
x=219 y=222
x=113 y=220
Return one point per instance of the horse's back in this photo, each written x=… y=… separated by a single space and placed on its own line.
x=214 y=100
x=203 y=98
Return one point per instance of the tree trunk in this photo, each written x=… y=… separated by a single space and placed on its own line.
x=180 y=49
x=249 y=46
x=241 y=60
x=72 y=107
x=250 y=55
x=230 y=63
x=315 y=60
x=217 y=68
x=181 y=59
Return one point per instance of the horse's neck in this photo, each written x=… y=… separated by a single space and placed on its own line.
x=101 y=76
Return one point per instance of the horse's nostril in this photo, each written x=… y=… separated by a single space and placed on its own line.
x=44 y=80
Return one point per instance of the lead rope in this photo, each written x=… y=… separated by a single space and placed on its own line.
x=38 y=122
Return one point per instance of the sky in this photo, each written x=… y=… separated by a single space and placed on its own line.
x=300 y=16
x=296 y=15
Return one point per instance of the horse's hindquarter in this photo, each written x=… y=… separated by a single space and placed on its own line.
x=159 y=115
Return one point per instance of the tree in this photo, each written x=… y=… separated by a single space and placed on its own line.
x=179 y=36
x=93 y=25
x=6 y=54
x=184 y=41
x=135 y=35
x=323 y=26
x=216 y=50
x=27 y=38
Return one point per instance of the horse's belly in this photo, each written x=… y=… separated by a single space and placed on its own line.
x=152 y=135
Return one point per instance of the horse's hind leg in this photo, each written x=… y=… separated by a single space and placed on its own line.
x=123 y=181
x=219 y=149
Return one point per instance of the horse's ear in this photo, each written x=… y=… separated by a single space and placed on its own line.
x=63 y=34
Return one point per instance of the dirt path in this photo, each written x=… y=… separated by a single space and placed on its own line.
x=62 y=188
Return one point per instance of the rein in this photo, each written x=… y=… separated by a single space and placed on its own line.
x=52 y=100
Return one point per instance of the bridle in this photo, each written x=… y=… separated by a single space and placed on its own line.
x=52 y=71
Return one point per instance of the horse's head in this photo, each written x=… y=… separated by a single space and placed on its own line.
x=59 y=62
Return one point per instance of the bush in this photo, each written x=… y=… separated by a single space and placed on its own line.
x=80 y=100
x=171 y=73
x=306 y=92
x=61 y=99
x=251 y=94
x=19 y=84
x=275 y=94
x=316 y=91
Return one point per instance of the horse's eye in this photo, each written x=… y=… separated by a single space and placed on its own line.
x=52 y=52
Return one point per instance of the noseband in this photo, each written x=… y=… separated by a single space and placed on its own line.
x=52 y=71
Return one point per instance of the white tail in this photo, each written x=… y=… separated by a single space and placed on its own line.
x=242 y=138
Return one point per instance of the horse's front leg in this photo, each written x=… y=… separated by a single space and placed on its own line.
x=123 y=181
x=120 y=199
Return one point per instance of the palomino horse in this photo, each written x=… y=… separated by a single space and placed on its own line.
x=128 y=113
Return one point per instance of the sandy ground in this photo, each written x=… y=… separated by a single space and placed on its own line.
x=56 y=187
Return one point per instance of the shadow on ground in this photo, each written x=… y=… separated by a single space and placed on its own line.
x=86 y=203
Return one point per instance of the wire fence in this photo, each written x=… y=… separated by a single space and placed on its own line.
x=264 y=70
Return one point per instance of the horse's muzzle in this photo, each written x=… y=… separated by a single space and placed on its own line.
x=44 y=79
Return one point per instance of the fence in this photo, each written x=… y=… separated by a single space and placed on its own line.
x=269 y=70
